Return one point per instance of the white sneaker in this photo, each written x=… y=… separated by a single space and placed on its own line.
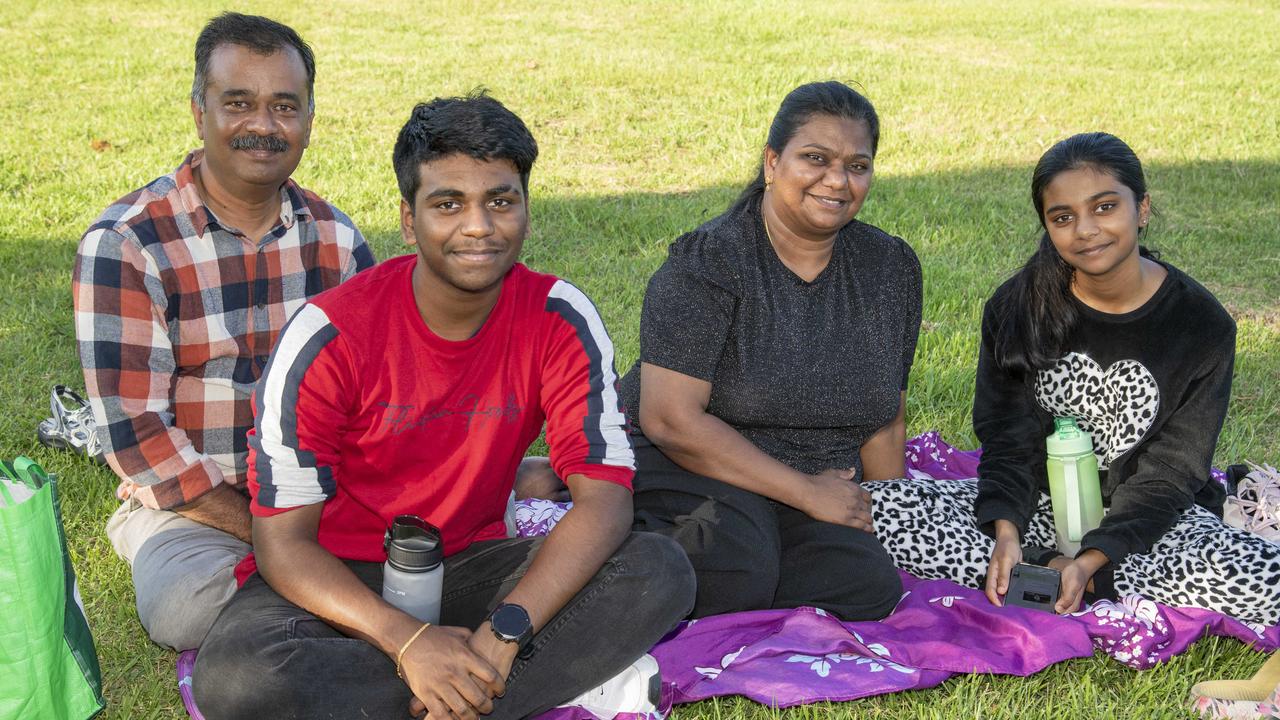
x=635 y=690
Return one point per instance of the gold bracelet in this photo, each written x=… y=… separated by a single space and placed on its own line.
x=400 y=655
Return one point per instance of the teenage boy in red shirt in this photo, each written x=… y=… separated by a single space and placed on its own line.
x=416 y=388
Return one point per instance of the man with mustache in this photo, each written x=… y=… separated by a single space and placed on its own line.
x=181 y=289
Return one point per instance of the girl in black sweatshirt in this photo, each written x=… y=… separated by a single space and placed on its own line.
x=1094 y=327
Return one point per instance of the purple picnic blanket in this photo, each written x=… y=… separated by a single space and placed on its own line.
x=792 y=657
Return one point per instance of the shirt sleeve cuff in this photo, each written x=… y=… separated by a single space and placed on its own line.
x=1113 y=547
x=262 y=511
x=699 y=369
x=990 y=511
x=596 y=471
x=182 y=489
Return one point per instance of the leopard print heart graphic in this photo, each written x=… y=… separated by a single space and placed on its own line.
x=1116 y=406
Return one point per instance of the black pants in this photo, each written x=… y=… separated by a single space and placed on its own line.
x=267 y=658
x=751 y=553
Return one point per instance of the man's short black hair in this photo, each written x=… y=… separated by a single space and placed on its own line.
x=475 y=125
x=261 y=35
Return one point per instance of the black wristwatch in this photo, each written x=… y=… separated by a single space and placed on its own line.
x=510 y=624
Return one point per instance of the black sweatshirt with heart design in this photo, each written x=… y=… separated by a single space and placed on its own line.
x=1150 y=387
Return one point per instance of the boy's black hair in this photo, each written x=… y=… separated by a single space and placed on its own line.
x=476 y=125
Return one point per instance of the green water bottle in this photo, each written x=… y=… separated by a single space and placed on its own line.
x=1073 y=483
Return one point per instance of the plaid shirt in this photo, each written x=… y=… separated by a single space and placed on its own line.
x=175 y=317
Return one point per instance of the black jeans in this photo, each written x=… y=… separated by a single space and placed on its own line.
x=267 y=658
x=751 y=553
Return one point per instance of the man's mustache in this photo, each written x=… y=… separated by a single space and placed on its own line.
x=259 y=142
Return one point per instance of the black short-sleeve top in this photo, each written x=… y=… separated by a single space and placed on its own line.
x=807 y=371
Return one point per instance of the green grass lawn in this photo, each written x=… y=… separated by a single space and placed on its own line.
x=650 y=116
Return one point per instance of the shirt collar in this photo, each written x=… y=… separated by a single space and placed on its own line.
x=292 y=203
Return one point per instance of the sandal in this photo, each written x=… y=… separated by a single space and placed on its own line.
x=1257 y=697
x=71 y=425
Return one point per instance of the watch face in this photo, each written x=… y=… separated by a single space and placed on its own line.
x=510 y=622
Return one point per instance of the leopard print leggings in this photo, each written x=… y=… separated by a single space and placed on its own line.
x=928 y=528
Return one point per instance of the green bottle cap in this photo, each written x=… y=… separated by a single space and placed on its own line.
x=1068 y=438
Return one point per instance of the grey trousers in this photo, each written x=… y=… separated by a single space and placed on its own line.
x=183 y=571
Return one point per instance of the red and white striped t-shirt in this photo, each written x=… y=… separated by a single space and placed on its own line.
x=363 y=408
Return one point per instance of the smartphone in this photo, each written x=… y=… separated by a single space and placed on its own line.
x=1032 y=586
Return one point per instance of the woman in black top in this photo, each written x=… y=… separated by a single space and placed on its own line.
x=1095 y=328
x=775 y=344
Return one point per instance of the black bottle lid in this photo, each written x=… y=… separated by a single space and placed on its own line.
x=413 y=544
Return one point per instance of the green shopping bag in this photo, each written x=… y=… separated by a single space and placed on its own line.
x=48 y=665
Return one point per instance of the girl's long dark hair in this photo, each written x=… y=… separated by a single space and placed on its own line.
x=1038 y=315
x=818 y=98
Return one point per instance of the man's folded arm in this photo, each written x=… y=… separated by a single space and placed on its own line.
x=293 y=467
x=129 y=367
x=576 y=549
x=303 y=572
x=590 y=448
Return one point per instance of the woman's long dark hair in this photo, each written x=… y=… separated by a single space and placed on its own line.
x=1039 y=316
x=818 y=98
